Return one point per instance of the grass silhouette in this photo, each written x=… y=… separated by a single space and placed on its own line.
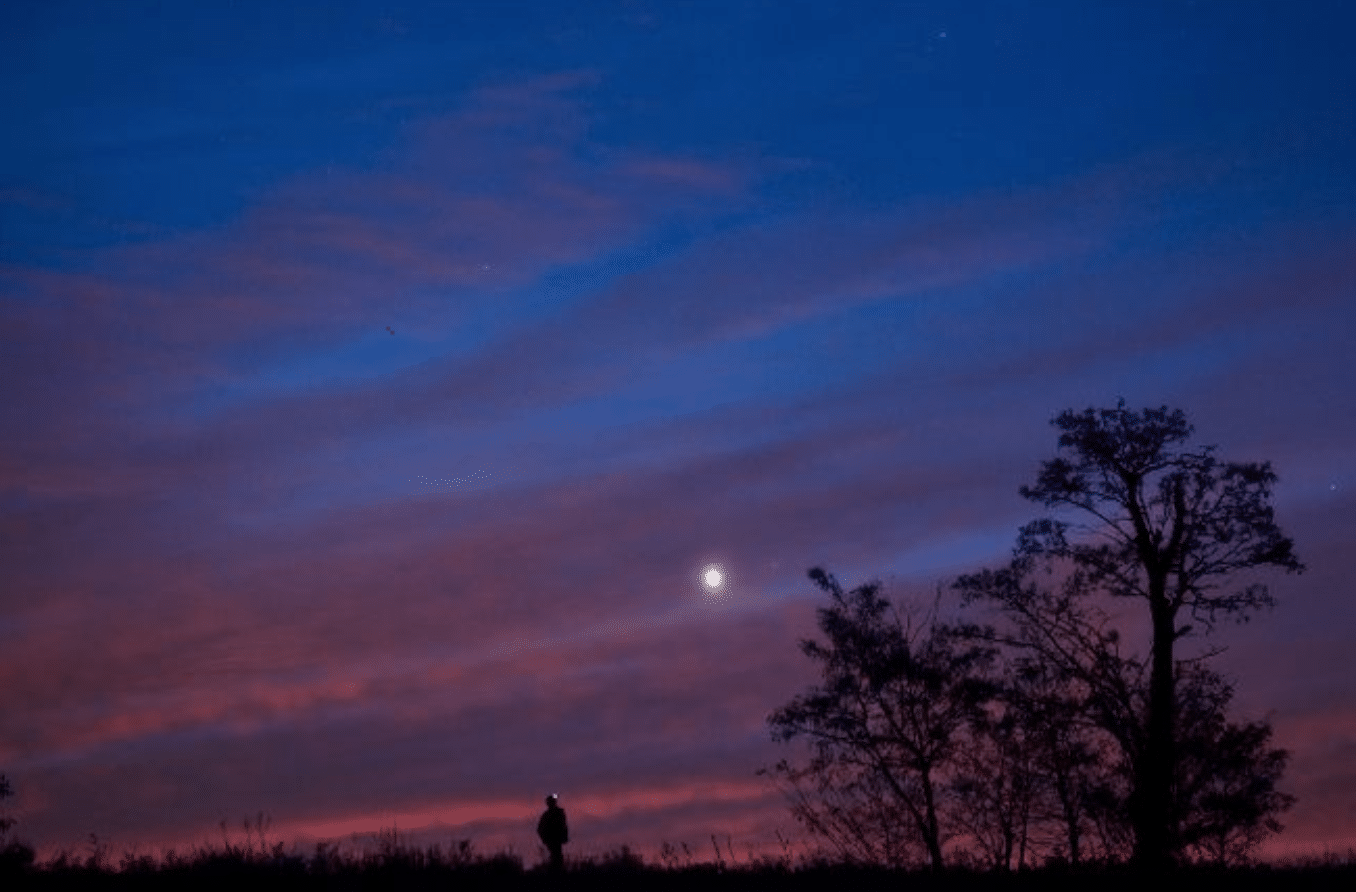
x=390 y=862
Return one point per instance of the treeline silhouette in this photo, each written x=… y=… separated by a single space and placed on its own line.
x=1053 y=730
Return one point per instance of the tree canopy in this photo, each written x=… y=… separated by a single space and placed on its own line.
x=885 y=725
x=1051 y=728
x=1172 y=525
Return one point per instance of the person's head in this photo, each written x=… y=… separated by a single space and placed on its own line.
x=551 y=800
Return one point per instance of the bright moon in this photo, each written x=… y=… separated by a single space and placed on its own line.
x=713 y=578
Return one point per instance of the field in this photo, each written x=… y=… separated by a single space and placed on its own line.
x=393 y=865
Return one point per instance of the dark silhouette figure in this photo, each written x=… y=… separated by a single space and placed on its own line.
x=554 y=832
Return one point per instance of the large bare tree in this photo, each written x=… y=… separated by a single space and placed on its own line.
x=1138 y=514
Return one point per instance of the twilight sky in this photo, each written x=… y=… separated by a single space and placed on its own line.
x=379 y=377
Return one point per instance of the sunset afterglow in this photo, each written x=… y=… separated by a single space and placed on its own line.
x=413 y=409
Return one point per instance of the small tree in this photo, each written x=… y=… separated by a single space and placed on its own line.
x=15 y=856
x=1037 y=773
x=1156 y=521
x=884 y=726
x=1227 y=773
x=996 y=785
x=6 y=791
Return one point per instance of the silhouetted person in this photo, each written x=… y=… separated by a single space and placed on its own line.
x=554 y=832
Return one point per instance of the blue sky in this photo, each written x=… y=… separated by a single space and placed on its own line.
x=771 y=285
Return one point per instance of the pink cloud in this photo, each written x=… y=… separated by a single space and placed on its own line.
x=498 y=715
x=512 y=577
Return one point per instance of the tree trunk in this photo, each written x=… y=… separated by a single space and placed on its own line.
x=1153 y=818
x=932 y=832
x=1070 y=808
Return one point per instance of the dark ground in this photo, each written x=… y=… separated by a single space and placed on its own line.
x=459 y=868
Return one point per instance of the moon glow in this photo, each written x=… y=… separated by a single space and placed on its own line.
x=710 y=581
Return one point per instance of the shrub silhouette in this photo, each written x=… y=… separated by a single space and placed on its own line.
x=15 y=857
